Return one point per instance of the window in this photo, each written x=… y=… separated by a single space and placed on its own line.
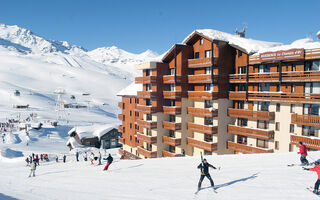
x=148 y=72
x=239 y=53
x=278 y=88
x=208 y=121
x=208 y=87
x=312 y=65
x=130 y=113
x=148 y=102
x=311 y=109
x=242 y=122
x=171 y=133
x=172 y=149
x=173 y=87
x=208 y=54
x=312 y=88
x=262 y=143
x=264 y=68
x=148 y=87
x=208 y=70
x=196 y=55
x=263 y=124
x=278 y=107
x=242 y=139
x=277 y=126
x=264 y=87
x=291 y=128
x=276 y=144
x=242 y=87
x=263 y=106
x=293 y=88
x=294 y=67
x=130 y=101
x=208 y=138
x=149 y=117
x=242 y=70
x=201 y=41
x=292 y=108
x=172 y=71
x=208 y=103
x=172 y=102
x=172 y=118
x=130 y=125
x=310 y=131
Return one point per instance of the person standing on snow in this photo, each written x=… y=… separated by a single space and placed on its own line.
x=91 y=158
x=85 y=156
x=303 y=152
x=27 y=160
x=100 y=157
x=109 y=161
x=41 y=157
x=57 y=158
x=33 y=167
x=77 y=156
x=204 y=167
x=315 y=169
x=64 y=158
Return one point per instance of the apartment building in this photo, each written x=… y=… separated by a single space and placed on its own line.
x=217 y=93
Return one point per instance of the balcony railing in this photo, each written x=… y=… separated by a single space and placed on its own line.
x=251 y=132
x=201 y=62
x=208 y=146
x=208 y=129
x=147 y=138
x=121 y=105
x=147 y=109
x=169 y=154
x=246 y=149
x=147 y=94
x=146 y=124
x=296 y=76
x=312 y=143
x=172 y=110
x=172 y=94
x=202 y=95
x=146 y=79
x=168 y=79
x=307 y=120
x=201 y=78
x=276 y=96
x=203 y=112
x=250 y=114
x=171 y=125
x=121 y=117
x=146 y=153
x=171 y=141
x=121 y=140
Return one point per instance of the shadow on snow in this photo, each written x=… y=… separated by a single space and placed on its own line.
x=238 y=180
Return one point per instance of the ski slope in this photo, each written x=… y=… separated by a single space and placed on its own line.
x=242 y=177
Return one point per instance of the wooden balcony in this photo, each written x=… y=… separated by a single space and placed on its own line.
x=171 y=141
x=307 y=120
x=246 y=149
x=169 y=154
x=251 y=132
x=168 y=79
x=208 y=146
x=208 y=129
x=203 y=112
x=172 y=110
x=147 y=94
x=146 y=138
x=147 y=109
x=121 y=105
x=200 y=62
x=145 y=79
x=172 y=94
x=121 y=140
x=127 y=155
x=250 y=114
x=121 y=117
x=146 y=153
x=171 y=125
x=296 y=76
x=201 y=78
x=146 y=124
x=308 y=141
x=202 y=95
x=120 y=128
x=276 y=97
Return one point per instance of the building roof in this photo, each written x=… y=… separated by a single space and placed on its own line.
x=92 y=131
x=131 y=90
x=246 y=44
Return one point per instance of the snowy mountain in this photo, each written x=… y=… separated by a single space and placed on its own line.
x=36 y=67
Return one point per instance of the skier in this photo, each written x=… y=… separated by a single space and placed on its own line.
x=91 y=158
x=64 y=158
x=32 y=168
x=77 y=156
x=303 y=152
x=27 y=160
x=85 y=156
x=41 y=157
x=109 y=161
x=100 y=157
x=37 y=159
x=315 y=169
x=204 y=167
x=57 y=158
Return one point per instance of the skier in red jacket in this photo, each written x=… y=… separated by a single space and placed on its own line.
x=315 y=169
x=303 y=152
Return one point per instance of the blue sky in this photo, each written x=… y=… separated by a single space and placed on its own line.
x=138 y=25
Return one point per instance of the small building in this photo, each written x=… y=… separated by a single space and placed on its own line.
x=99 y=136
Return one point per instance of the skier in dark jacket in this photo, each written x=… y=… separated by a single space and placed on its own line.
x=109 y=161
x=317 y=170
x=64 y=158
x=204 y=167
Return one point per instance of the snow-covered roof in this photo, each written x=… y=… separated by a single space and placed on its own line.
x=92 y=131
x=73 y=142
x=102 y=130
x=131 y=90
x=247 y=44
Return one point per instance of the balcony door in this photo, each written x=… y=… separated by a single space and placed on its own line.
x=242 y=139
x=311 y=109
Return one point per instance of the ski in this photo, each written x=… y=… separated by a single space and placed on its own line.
x=310 y=189
x=214 y=190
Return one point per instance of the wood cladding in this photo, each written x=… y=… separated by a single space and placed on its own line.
x=171 y=141
x=203 y=112
x=309 y=142
x=250 y=114
x=251 y=132
x=246 y=149
x=307 y=120
x=208 y=146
